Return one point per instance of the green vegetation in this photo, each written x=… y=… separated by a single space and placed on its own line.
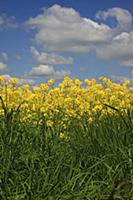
x=91 y=161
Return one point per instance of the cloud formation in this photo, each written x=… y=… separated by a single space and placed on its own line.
x=3 y=66
x=127 y=63
x=41 y=70
x=123 y=17
x=64 y=30
x=120 y=49
x=61 y=74
x=49 y=58
x=120 y=79
x=21 y=81
x=47 y=71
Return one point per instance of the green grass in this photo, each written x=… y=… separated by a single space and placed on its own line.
x=95 y=163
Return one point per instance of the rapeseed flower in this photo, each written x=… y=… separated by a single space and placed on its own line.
x=68 y=101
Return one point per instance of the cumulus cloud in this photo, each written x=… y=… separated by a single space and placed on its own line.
x=47 y=71
x=61 y=74
x=41 y=70
x=45 y=62
x=6 y=76
x=63 y=29
x=49 y=58
x=123 y=17
x=120 y=79
x=21 y=81
x=127 y=63
x=120 y=48
x=3 y=66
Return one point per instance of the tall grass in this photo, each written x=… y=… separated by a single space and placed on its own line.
x=95 y=161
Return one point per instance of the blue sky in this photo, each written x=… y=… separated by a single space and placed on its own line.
x=51 y=39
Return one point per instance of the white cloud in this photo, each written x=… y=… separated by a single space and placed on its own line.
x=63 y=29
x=120 y=48
x=61 y=74
x=3 y=66
x=127 y=63
x=41 y=70
x=6 y=77
x=120 y=79
x=49 y=58
x=21 y=81
x=123 y=17
x=47 y=71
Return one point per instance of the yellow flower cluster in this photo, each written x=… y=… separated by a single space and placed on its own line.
x=71 y=99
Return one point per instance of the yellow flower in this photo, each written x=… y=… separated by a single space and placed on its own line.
x=67 y=101
x=44 y=86
x=1 y=78
x=49 y=123
x=50 y=81
x=127 y=82
x=90 y=82
x=78 y=82
x=105 y=80
x=62 y=136
x=36 y=89
x=13 y=81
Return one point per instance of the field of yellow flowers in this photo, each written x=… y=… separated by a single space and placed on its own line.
x=72 y=99
x=69 y=141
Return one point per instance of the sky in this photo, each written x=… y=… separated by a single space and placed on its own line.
x=42 y=39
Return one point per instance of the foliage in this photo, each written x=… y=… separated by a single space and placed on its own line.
x=71 y=142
